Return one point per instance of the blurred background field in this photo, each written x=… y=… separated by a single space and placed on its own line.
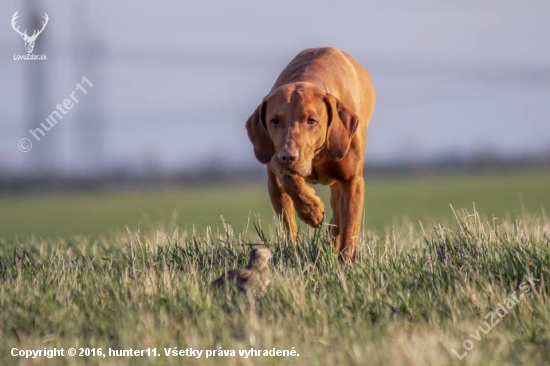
x=389 y=200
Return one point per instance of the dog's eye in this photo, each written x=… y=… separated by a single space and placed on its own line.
x=274 y=122
x=311 y=121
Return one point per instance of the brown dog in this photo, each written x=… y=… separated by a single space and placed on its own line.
x=312 y=128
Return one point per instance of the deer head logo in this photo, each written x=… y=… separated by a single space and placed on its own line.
x=29 y=41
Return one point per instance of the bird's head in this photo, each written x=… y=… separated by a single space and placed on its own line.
x=259 y=257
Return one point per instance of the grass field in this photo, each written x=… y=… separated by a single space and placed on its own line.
x=70 y=276
x=388 y=201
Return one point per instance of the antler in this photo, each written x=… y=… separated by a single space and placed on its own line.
x=43 y=26
x=35 y=34
x=13 y=21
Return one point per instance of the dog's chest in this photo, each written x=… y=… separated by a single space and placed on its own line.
x=316 y=178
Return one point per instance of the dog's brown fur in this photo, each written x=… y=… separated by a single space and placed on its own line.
x=312 y=128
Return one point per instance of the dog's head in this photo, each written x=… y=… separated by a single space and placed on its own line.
x=295 y=122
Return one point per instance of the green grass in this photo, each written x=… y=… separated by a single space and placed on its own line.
x=71 y=276
x=409 y=299
x=388 y=201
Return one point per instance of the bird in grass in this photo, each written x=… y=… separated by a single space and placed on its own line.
x=255 y=277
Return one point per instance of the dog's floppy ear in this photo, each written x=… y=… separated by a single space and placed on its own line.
x=257 y=133
x=342 y=124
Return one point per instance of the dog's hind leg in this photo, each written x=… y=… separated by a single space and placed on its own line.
x=282 y=204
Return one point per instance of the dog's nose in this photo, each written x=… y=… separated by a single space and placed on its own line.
x=288 y=156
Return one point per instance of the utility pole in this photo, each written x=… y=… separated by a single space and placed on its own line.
x=41 y=159
x=88 y=59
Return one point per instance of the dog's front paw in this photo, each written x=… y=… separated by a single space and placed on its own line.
x=312 y=214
